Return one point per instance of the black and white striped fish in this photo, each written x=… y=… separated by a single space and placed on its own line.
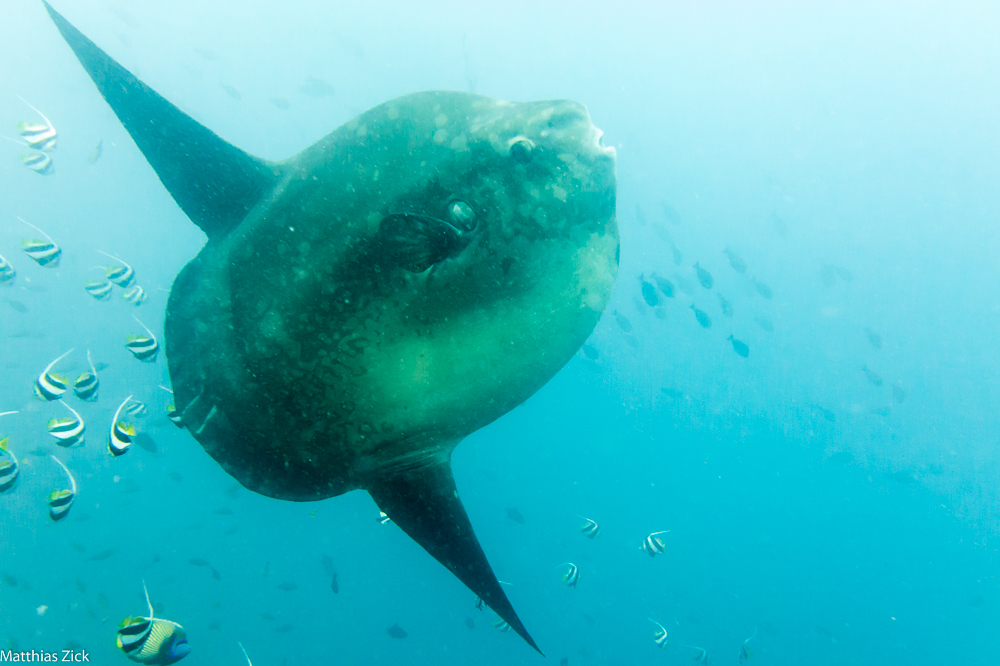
x=7 y=272
x=136 y=409
x=175 y=415
x=40 y=163
x=86 y=385
x=49 y=385
x=572 y=575
x=8 y=468
x=68 y=431
x=60 y=501
x=120 y=437
x=151 y=640
x=660 y=635
x=42 y=252
x=590 y=528
x=134 y=295
x=121 y=273
x=40 y=136
x=653 y=545
x=501 y=624
x=143 y=347
x=382 y=518
x=99 y=289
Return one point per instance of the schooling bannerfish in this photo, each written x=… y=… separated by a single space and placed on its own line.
x=151 y=640
x=653 y=545
x=69 y=430
x=49 y=385
x=60 y=501
x=121 y=434
x=572 y=575
x=86 y=385
x=590 y=528
x=7 y=272
x=660 y=635
x=143 y=347
x=8 y=468
x=99 y=289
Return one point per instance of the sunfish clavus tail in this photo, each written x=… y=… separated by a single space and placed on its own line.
x=363 y=306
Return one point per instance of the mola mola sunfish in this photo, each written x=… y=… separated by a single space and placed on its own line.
x=361 y=307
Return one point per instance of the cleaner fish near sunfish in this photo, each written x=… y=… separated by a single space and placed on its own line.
x=405 y=281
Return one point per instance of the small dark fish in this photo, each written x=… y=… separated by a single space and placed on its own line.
x=515 y=515
x=233 y=490
x=740 y=347
x=96 y=153
x=765 y=324
x=103 y=555
x=288 y=587
x=469 y=622
x=334 y=587
x=224 y=511
x=284 y=629
x=684 y=285
x=328 y=567
x=8 y=580
x=763 y=289
x=702 y=317
x=623 y=322
x=267 y=568
x=396 y=631
x=316 y=87
x=176 y=476
x=17 y=305
x=78 y=547
x=664 y=285
x=874 y=339
x=590 y=351
x=825 y=413
x=779 y=225
x=215 y=573
x=215 y=626
x=704 y=277
x=678 y=257
x=828 y=276
x=640 y=216
x=736 y=261
x=146 y=443
x=198 y=562
x=727 y=307
x=280 y=102
x=843 y=273
x=898 y=392
x=649 y=293
x=670 y=213
x=564 y=661
x=232 y=92
x=874 y=378
x=266 y=616
x=101 y=366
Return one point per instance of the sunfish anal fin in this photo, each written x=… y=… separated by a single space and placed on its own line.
x=424 y=502
x=215 y=183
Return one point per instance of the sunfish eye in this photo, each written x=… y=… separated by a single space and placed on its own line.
x=462 y=215
x=520 y=149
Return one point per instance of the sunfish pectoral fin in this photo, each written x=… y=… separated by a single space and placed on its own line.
x=424 y=502
x=215 y=183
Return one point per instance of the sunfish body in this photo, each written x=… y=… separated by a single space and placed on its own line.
x=360 y=308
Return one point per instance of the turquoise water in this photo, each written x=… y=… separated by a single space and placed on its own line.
x=846 y=154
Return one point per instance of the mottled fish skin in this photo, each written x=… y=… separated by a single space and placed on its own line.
x=451 y=251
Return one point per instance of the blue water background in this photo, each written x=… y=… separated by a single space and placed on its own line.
x=871 y=133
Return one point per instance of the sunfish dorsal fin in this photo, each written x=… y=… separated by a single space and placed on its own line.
x=424 y=503
x=215 y=183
